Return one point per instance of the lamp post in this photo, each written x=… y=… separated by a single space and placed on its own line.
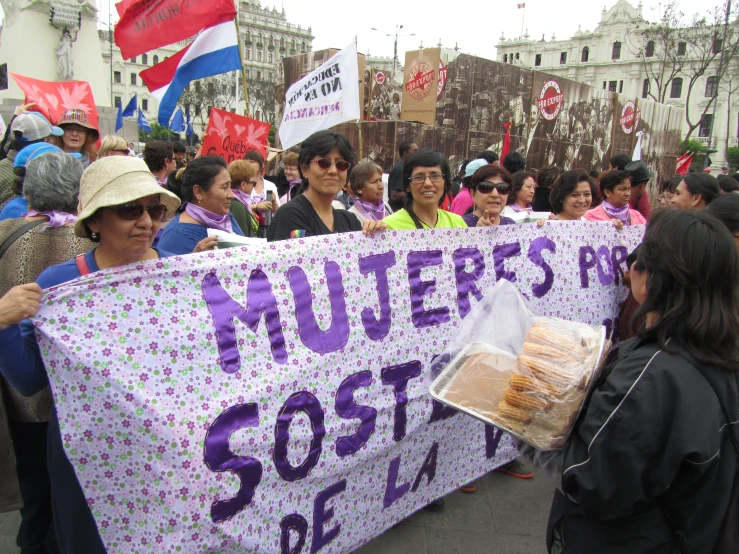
x=395 y=36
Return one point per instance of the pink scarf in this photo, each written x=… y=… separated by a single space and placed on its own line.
x=56 y=218
x=368 y=209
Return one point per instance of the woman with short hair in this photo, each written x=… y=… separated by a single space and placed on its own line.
x=545 y=179
x=695 y=192
x=243 y=180
x=368 y=188
x=616 y=188
x=159 y=157
x=571 y=195
x=79 y=135
x=112 y=145
x=522 y=194
x=491 y=188
x=120 y=208
x=292 y=176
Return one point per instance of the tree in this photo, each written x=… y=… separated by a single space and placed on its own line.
x=158 y=132
x=262 y=100
x=220 y=91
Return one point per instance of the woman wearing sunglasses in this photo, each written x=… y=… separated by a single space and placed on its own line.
x=205 y=184
x=427 y=179
x=121 y=208
x=324 y=161
x=490 y=186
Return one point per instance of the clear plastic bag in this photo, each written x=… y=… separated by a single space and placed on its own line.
x=527 y=375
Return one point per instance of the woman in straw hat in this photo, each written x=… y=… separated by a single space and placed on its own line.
x=121 y=208
x=79 y=135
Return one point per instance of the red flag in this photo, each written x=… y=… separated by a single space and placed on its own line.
x=53 y=98
x=521 y=6
x=149 y=24
x=683 y=164
x=230 y=136
x=506 y=141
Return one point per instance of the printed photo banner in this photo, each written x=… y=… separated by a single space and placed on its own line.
x=274 y=398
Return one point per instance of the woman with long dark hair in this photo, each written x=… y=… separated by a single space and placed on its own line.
x=651 y=463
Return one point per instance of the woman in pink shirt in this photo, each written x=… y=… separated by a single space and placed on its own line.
x=616 y=187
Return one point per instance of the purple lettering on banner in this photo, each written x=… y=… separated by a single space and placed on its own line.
x=609 y=325
x=297 y=523
x=501 y=253
x=467 y=281
x=347 y=408
x=219 y=458
x=321 y=516
x=618 y=259
x=605 y=276
x=428 y=468
x=335 y=337
x=223 y=310
x=492 y=440
x=378 y=329
x=420 y=316
x=440 y=412
x=299 y=402
x=587 y=261
x=398 y=376
x=537 y=246
x=392 y=491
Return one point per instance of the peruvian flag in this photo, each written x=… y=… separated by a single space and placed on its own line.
x=149 y=24
x=521 y=6
x=683 y=164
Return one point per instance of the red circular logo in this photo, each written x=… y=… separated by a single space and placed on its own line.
x=550 y=100
x=630 y=117
x=379 y=77
x=421 y=77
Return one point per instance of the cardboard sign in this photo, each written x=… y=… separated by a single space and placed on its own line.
x=231 y=136
x=421 y=85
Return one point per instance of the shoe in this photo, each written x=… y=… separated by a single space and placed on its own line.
x=516 y=469
x=470 y=487
x=435 y=506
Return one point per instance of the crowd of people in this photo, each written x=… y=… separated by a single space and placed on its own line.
x=651 y=463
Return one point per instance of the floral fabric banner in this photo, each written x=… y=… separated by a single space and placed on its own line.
x=274 y=398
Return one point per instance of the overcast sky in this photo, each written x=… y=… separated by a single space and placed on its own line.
x=475 y=26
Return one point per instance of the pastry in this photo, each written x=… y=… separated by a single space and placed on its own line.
x=512 y=412
x=524 y=383
x=548 y=371
x=526 y=401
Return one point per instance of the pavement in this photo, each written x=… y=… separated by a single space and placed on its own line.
x=505 y=516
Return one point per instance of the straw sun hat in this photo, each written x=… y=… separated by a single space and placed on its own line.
x=114 y=181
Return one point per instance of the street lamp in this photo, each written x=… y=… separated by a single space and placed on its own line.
x=395 y=49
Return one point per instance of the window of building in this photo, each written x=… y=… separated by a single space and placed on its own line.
x=211 y=88
x=302 y=47
x=649 y=51
x=516 y=55
x=247 y=55
x=537 y=60
x=711 y=87
x=292 y=45
x=133 y=60
x=676 y=91
x=248 y=74
x=282 y=42
x=562 y=58
x=198 y=87
x=259 y=75
x=117 y=101
x=585 y=54
x=620 y=87
x=505 y=58
x=144 y=59
x=145 y=104
x=197 y=111
x=116 y=76
x=271 y=59
x=616 y=53
x=259 y=40
x=156 y=59
x=133 y=78
x=612 y=86
x=270 y=76
x=233 y=90
x=259 y=55
x=645 y=88
x=682 y=48
x=604 y=85
x=705 y=126
x=271 y=41
x=718 y=45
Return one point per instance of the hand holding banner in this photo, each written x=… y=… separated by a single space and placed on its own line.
x=230 y=136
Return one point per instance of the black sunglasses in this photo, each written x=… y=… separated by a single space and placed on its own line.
x=132 y=212
x=325 y=163
x=486 y=187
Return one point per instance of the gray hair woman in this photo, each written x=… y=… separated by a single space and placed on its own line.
x=51 y=187
x=366 y=183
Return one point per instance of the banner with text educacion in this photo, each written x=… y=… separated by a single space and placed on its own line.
x=274 y=398
x=325 y=97
x=231 y=136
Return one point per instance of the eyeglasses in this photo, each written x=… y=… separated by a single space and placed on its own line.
x=122 y=151
x=325 y=163
x=666 y=197
x=132 y=212
x=420 y=179
x=486 y=187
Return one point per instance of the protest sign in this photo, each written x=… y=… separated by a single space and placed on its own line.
x=230 y=136
x=194 y=426
x=53 y=98
x=323 y=98
x=421 y=85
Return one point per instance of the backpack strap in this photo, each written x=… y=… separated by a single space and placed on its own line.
x=19 y=232
x=82 y=265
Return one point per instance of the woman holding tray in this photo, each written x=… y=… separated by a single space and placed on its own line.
x=652 y=461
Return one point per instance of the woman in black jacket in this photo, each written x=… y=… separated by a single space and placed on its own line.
x=650 y=465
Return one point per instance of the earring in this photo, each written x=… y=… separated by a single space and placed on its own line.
x=93 y=235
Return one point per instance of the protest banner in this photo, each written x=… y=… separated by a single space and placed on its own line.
x=421 y=85
x=193 y=426
x=230 y=136
x=53 y=98
x=325 y=97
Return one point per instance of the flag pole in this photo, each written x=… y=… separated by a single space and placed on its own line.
x=243 y=71
x=523 y=18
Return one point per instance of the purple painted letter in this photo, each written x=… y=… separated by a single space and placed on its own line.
x=378 y=329
x=394 y=492
x=416 y=262
x=297 y=523
x=535 y=249
x=428 y=468
x=321 y=516
x=398 y=376
x=466 y=281
x=501 y=253
x=299 y=402
x=348 y=409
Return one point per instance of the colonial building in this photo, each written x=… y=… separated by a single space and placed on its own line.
x=612 y=57
x=266 y=36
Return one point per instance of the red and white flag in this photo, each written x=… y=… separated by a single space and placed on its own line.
x=149 y=24
x=521 y=6
x=53 y=98
x=683 y=164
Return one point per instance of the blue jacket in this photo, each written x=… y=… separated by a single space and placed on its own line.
x=181 y=238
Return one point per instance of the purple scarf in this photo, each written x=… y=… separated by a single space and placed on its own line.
x=56 y=218
x=622 y=214
x=209 y=219
x=368 y=209
x=242 y=197
x=516 y=208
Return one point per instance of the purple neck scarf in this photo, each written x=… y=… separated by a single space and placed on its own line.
x=517 y=208
x=622 y=214
x=209 y=219
x=294 y=183
x=368 y=209
x=242 y=197
x=56 y=218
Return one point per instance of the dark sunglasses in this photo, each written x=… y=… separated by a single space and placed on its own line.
x=486 y=187
x=132 y=212
x=325 y=163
